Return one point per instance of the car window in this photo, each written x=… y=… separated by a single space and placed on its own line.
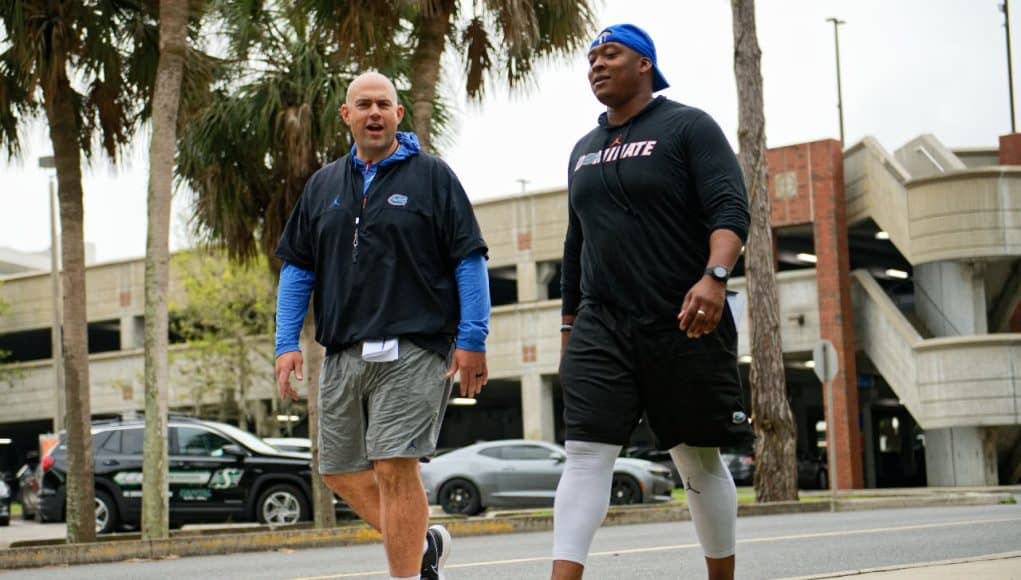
x=494 y=452
x=113 y=442
x=98 y=440
x=132 y=441
x=526 y=452
x=193 y=441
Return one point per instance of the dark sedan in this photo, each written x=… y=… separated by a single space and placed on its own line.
x=217 y=472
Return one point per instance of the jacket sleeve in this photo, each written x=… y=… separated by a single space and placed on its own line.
x=717 y=177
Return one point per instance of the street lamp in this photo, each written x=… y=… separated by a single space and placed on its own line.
x=524 y=184
x=55 y=332
x=1005 y=8
x=840 y=98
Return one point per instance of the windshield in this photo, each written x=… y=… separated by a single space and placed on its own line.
x=247 y=439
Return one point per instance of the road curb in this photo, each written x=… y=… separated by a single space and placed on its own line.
x=206 y=544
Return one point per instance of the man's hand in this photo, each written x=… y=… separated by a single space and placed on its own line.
x=286 y=363
x=703 y=307
x=474 y=373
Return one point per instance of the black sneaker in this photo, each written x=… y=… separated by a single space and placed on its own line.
x=438 y=539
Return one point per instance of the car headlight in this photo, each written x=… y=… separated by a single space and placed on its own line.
x=5 y=490
x=660 y=471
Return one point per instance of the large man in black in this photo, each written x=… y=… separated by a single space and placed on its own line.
x=657 y=218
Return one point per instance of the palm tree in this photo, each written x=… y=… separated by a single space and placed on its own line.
x=508 y=36
x=46 y=44
x=776 y=468
x=173 y=29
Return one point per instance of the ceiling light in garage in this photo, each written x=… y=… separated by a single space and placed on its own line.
x=463 y=401
x=899 y=274
x=810 y=258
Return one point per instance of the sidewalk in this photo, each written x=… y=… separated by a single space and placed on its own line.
x=1005 y=566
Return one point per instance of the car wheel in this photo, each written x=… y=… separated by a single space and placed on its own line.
x=106 y=513
x=822 y=480
x=282 y=504
x=460 y=497
x=624 y=490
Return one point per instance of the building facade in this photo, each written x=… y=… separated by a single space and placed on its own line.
x=909 y=263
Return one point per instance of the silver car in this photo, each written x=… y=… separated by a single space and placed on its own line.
x=521 y=472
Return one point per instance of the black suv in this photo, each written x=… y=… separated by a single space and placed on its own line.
x=217 y=473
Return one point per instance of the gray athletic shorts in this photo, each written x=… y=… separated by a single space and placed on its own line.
x=372 y=410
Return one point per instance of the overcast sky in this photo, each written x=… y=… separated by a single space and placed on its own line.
x=908 y=67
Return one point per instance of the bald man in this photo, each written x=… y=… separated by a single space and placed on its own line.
x=386 y=242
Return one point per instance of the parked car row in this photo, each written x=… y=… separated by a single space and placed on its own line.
x=218 y=472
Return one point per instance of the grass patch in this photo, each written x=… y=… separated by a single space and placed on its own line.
x=1008 y=501
x=746 y=495
x=15 y=509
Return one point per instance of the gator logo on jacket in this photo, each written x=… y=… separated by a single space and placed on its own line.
x=615 y=152
x=397 y=200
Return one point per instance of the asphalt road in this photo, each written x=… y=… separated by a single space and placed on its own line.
x=768 y=547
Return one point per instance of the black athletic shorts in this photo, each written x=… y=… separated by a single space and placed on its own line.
x=615 y=369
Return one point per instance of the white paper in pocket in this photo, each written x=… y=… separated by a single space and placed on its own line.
x=738 y=301
x=380 y=350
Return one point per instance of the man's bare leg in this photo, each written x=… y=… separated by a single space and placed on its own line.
x=361 y=493
x=567 y=570
x=403 y=513
x=720 y=568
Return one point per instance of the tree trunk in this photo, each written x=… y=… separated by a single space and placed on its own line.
x=166 y=98
x=244 y=378
x=425 y=66
x=322 y=497
x=81 y=518
x=775 y=463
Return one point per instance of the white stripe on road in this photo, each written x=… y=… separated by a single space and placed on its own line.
x=689 y=546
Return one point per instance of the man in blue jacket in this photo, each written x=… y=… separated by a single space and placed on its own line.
x=387 y=244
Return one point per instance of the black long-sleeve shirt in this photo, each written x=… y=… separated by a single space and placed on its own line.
x=643 y=199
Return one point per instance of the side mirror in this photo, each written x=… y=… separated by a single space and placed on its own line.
x=558 y=458
x=234 y=450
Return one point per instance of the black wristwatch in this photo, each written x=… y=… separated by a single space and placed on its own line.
x=718 y=273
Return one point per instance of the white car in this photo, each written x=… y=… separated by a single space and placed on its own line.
x=521 y=472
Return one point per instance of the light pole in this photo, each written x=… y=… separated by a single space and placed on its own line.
x=524 y=183
x=55 y=332
x=840 y=98
x=1005 y=7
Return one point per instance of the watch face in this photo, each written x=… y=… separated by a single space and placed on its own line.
x=720 y=272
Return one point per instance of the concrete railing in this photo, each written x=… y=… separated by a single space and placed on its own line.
x=961 y=214
x=117 y=384
x=944 y=382
x=968 y=214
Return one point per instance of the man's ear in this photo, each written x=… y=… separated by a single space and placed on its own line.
x=400 y=114
x=645 y=64
x=345 y=114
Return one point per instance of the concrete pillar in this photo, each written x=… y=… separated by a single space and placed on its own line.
x=537 y=407
x=950 y=299
x=527 y=288
x=961 y=456
x=132 y=332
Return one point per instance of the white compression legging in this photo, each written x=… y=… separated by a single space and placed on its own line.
x=583 y=497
